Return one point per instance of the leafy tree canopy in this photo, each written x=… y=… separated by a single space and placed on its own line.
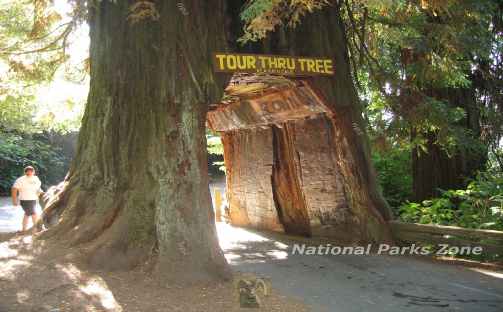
x=402 y=50
x=34 y=50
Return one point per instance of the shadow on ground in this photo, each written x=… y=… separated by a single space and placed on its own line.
x=31 y=280
x=36 y=275
x=349 y=283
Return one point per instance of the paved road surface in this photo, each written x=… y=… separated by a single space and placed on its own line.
x=362 y=283
x=348 y=283
x=11 y=217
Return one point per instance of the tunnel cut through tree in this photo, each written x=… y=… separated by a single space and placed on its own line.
x=362 y=213
x=138 y=188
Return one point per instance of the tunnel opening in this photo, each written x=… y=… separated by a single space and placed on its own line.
x=281 y=174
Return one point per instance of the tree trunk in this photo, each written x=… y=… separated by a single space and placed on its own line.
x=434 y=169
x=287 y=192
x=323 y=34
x=138 y=187
x=248 y=160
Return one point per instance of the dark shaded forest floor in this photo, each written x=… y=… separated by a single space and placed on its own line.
x=38 y=276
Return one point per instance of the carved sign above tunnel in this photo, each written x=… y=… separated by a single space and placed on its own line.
x=259 y=101
x=273 y=64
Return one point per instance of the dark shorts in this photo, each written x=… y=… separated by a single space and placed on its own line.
x=28 y=206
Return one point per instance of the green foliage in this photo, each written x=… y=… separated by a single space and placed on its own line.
x=24 y=113
x=214 y=144
x=411 y=52
x=19 y=150
x=431 y=116
x=391 y=154
x=408 y=51
x=16 y=112
x=393 y=175
x=263 y=16
x=257 y=8
x=480 y=206
x=215 y=155
x=34 y=42
x=495 y=161
x=421 y=44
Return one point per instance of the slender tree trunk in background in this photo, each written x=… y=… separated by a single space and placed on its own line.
x=435 y=169
x=138 y=187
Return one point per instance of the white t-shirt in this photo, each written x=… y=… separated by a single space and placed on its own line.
x=28 y=187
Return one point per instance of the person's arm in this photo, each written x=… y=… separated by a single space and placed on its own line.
x=14 y=191
x=14 y=196
x=40 y=190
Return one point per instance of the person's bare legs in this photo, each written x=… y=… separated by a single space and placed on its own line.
x=34 y=219
x=25 y=222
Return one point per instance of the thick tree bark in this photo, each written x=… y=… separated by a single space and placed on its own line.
x=288 y=195
x=434 y=170
x=248 y=162
x=138 y=187
x=323 y=34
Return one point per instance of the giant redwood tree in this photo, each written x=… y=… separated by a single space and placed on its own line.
x=138 y=187
x=323 y=33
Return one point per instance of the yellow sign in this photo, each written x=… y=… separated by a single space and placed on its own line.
x=272 y=64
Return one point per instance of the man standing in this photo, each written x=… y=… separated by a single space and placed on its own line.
x=28 y=187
